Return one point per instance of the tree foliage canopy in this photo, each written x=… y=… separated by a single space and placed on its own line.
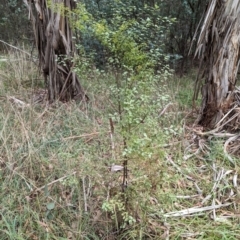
x=162 y=32
x=14 y=25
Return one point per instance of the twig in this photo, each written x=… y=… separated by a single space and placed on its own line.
x=235 y=180
x=15 y=48
x=217 y=179
x=26 y=181
x=55 y=181
x=178 y=168
x=186 y=157
x=231 y=139
x=217 y=125
x=19 y=102
x=84 y=194
x=189 y=197
x=112 y=138
x=82 y=136
x=193 y=210
x=223 y=135
x=214 y=210
x=206 y=133
x=166 y=145
x=164 y=110
x=198 y=188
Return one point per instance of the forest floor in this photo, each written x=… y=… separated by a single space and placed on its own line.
x=59 y=165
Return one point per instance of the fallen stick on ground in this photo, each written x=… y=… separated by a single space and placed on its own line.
x=83 y=135
x=57 y=180
x=193 y=210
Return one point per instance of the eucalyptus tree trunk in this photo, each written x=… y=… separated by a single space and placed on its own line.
x=218 y=49
x=55 y=46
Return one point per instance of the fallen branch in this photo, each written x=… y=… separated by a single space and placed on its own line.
x=194 y=210
x=16 y=48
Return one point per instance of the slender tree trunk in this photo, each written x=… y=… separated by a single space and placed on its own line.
x=218 y=48
x=53 y=37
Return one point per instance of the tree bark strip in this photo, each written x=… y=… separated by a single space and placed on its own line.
x=56 y=50
x=218 y=48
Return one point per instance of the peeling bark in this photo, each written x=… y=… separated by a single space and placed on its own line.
x=218 y=48
x=56 y=50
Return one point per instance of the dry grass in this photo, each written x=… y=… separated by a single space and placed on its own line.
x=56 y=183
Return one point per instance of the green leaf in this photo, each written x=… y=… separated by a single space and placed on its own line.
x=50 y=206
